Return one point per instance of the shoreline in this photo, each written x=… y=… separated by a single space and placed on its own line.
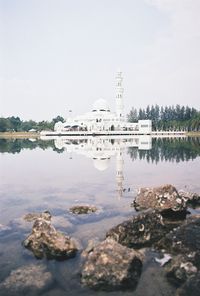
x=36 y=135
x=19 y=135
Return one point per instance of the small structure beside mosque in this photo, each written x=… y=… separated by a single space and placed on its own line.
x=101 y=121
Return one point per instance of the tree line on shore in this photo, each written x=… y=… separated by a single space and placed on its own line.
x=168 y=117
x=15 y=124
x=163 y=118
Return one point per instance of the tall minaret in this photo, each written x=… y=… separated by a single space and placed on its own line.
x=119 y=95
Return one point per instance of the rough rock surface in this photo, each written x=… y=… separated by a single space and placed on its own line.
x=191 y=286
x=45 y=240
x=25 y=279
x=141 y=231
x=83 y=209
x=180 y=269
x=31 y=217
x=184 y=269
x=111 y=266
x=192 y=199
x=92 y=243
x=185 y=240
x=160 y=198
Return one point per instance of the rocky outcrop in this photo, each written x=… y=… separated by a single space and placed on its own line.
x=185 y=239
x=111 y=266
x=141 y=231
x=45 y=240
x=25 y=279
x=191 y=287
x=162 y=198
x=84 y=209
x=184 y=244
x=180 y=269
x=192 y=199
x=31 y=217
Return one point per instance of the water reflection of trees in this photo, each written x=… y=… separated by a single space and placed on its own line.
x=168 y=149
x=163 y=149
x=17 y=145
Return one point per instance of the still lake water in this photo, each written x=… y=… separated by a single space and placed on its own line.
x=57 y=174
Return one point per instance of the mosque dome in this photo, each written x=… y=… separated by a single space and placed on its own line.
x=101 y=164
x=100 y=105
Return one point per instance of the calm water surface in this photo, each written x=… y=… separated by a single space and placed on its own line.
x=54 y=175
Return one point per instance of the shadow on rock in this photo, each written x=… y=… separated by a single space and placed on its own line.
x=184 y=244
x=143 y=230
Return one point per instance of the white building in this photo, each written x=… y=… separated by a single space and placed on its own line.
x=101 y=119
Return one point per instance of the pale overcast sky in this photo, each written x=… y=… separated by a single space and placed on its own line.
x=57 y=55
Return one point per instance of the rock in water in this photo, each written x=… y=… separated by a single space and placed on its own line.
x=25 y=279
x=192 y=199
x=140 y=231
x=161 y=198
x=180 y=269
x=184 y=268
x=84 y=209
x=191 y=287
x=45 y=240
x=34 y=216
x=111 y=266
x=185 y=240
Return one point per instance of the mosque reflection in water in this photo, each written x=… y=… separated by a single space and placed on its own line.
x=101 y=149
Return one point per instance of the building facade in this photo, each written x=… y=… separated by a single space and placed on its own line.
x=101 y=119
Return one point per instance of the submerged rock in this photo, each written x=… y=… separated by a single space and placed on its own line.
x=84 y=209
x=92 y=243
x=141 y=231
x=184 y=239
x=180 y=269
x=161 y=198
x=191 y=286
x=4 y=228
x=45 y=240
x=25 y=279
x=184 y=244
x=111 y=266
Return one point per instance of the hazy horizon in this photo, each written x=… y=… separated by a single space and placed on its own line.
x=62 y=55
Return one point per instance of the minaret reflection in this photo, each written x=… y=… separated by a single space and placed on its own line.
x=102 y=149
x=119 y=172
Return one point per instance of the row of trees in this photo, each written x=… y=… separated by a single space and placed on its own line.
x=168 y=117
x=16 y=124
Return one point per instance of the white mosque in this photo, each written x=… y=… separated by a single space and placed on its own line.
x=102 y=121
